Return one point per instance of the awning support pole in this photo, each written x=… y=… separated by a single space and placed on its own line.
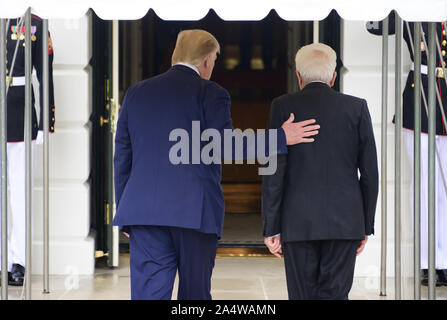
x=46 y=168
x=397 y=174
x=431 y=159
x=4 y=184
x=384 y=175
x=316 y=31
x=417 y=162
x=27 y=139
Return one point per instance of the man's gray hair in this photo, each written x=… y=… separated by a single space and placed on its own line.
x=316 y=62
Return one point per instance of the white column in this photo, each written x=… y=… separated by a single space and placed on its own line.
x=71 y=247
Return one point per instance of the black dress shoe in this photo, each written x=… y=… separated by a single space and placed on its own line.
x=424 y=277
x=439 y=281
x=17 y=275
x=442 y=277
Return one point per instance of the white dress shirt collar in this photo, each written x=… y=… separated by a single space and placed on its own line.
x=318 y=81
x=189 y=66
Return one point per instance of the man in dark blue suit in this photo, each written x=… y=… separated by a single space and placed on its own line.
x=173 y=213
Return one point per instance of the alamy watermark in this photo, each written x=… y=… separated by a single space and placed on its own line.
x=193 y=150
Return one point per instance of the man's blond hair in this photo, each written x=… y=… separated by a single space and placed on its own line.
x=193 y=46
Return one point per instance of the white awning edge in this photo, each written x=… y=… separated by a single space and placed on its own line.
x=292 y=10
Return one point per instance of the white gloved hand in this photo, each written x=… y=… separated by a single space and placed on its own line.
x=39 y=139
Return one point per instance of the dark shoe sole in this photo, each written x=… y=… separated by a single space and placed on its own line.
x=15 y=284
x=425 y=284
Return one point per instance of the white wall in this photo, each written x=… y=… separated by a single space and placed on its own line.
x=71 y=248
x=362 y=58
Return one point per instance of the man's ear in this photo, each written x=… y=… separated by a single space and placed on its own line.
x=300 y=80
x=206 y=63
x=331 y=84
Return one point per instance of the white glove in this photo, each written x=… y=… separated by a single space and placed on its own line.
x=39 y=139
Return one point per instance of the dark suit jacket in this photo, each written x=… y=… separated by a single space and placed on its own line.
x=316 y=193
x=149 y=189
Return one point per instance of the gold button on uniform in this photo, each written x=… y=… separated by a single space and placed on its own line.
x=422 y=46
x=444 y=43
x=443 y=53
x=412 y=85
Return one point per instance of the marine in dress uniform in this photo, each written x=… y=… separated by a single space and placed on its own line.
x=15 y=132
x=441 y=143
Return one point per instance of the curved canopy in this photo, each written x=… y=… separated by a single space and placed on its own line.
x=298 y=10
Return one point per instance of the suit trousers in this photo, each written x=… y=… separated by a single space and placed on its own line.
x=16 y=203
x=157 y=252
x=320 y=269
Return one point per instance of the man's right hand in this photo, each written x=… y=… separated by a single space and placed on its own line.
x=274 y=245
x=362 y=245
x=299 y=132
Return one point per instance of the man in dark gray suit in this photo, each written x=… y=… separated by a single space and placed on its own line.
x=316 y=208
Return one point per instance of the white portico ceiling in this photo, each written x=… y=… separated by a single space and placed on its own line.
x=294 y=10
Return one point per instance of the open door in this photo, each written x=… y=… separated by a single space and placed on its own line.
x=104 y=116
